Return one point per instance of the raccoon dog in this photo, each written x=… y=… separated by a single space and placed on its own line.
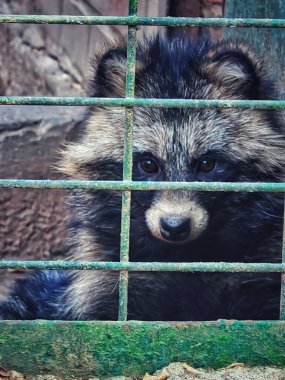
x=171 y=144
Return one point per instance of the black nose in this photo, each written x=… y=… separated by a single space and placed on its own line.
x=175 y=228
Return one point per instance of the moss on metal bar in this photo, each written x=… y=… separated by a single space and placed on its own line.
x=135 y=20
x=132 y=348
x=145 y=266
x=143 y=185
x=138 y=102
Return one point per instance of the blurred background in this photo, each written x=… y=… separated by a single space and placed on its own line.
x=52 y=60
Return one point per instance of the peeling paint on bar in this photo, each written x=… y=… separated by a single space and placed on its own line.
x=143 y=185
x=135 y=20
x=139 y=102
x=146 y=266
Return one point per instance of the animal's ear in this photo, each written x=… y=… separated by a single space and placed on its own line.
x=109 y=73
x=234 y=71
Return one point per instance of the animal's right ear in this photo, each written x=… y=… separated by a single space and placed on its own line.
x=109 y=74
x=234 y=70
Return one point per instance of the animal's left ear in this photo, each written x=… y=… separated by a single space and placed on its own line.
x=234 y=71
x=108 y=77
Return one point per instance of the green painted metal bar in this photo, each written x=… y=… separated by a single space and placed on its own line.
x=127 y=164
x=143 y=185
x=282 y=296
x=139 y=102
x=124 y=255
x=146 y=267
x=135 y=20
x=103 y=349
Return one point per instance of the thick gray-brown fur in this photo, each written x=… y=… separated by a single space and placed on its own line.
x=240 y=144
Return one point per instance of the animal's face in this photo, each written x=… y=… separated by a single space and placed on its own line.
x=180 y=144
x=183 y=146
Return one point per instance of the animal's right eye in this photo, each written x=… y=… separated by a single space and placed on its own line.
x=148 y=166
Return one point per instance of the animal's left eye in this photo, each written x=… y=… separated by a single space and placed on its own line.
x=206 y=165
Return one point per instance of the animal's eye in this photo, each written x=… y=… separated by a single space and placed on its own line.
x=148 y=165
x=206 y=165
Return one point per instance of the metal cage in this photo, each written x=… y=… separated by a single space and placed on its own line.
x=133 y=347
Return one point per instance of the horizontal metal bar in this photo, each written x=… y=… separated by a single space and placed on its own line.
x=104 y=349
x=143 y=185
x=145 y=267
x=138 y=102
x=135 y=20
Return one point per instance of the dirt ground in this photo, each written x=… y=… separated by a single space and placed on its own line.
x=182 y=371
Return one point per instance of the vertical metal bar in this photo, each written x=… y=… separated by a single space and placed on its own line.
x=282 y=294
x=127 y=166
